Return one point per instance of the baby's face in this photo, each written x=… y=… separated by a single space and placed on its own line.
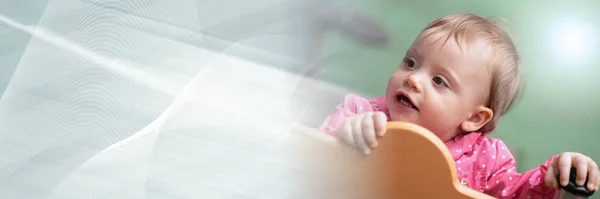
x=439 y=86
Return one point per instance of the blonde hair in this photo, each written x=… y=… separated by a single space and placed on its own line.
x=505 y=71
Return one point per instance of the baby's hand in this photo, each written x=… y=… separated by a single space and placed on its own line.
x=361 y=131
x=562 y=165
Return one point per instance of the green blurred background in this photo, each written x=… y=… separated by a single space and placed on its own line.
x=556 y=39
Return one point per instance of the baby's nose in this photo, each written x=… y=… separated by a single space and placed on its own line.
x=413 y=83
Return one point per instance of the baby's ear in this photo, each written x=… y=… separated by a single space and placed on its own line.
x=479 y=118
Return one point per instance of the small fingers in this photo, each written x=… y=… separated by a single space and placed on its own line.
x=597 y=183
x=380 y=120
x=345 y=132
x=581 y=164
x=550 y=177
x=357 y=133
x=592 y=176
x=564 y=168
x=368 y=128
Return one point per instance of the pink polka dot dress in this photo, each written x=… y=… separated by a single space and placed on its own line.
x=483 y=164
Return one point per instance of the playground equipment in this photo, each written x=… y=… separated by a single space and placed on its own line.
x=394 y=170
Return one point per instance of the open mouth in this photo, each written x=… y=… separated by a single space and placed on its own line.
x=403 y=99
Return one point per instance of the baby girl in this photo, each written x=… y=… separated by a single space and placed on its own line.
x=457 y=79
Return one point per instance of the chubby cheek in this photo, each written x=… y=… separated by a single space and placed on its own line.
x=441 y=120
x=444 y=129
x=394 y=83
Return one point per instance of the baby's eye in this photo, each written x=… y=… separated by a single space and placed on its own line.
x=437 y=80
x=410 y=63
